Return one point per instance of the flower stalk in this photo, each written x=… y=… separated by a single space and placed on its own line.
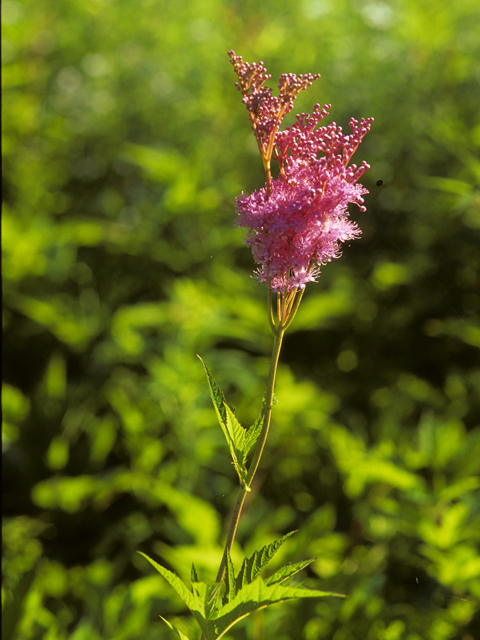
x=295 y=224
x=287 y=306
x=298 y=220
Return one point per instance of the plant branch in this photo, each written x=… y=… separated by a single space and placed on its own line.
x=287 y=308
x=277 y=344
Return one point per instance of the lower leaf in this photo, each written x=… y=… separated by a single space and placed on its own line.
x=193 y=602
x=179 y=634
x=258 y=595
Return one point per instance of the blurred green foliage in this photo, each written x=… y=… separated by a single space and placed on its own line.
x=125 y=144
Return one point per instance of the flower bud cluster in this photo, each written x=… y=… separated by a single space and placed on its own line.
x=297 y=222
x=266 y=110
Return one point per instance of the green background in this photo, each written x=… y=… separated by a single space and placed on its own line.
x=125 y=144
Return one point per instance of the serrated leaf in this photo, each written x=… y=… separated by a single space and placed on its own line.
x=231 y=590
x=253 y=433
x=207 y=605
x=193 y=574
x=179 y=634
x=208 y=596
x=252 y=566
x=232 y=429
x=258 y=595
x=235 y=431
x=211 y=597
x=175 y=582
x=193 y=602
x=236 y=442
x=287 y=571
x=217 y=396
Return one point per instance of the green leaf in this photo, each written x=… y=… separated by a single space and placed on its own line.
x=175 y=582
x=236 y=442
x=193 y=575
x=210 y=600
x=252 y=566
x=236 y=432
x=192 y=600
x=258 y=595
x=231 y=589
x=232 y=429
x=287 y=571
x=217 y=396
x=207 y=596
x=179 y=634
x=253 y=433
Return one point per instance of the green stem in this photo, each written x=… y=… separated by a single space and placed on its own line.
x=277 y=345
x=237 y=510
x=293 y=309
x=287 y=307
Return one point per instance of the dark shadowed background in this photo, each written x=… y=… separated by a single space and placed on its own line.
x=125 y=144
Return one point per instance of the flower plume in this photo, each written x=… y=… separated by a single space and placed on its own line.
x=297 y=222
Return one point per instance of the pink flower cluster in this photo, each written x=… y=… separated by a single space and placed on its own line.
x=297 y=222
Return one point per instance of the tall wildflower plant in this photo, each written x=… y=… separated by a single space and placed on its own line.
x=294 y=225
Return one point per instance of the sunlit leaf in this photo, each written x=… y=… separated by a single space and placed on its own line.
x=231 y=427
x=236 y=441
x=254 y=432
x=192 y=600
x=178 y=633
x=258 y=595
x=194 y=576
x=252 y=566
x=231 y=589
x=287 y=571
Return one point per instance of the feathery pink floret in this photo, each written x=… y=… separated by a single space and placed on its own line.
x=300 y=226
x=298 y=221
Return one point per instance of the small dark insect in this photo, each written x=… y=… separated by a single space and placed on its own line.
x=379 y=183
